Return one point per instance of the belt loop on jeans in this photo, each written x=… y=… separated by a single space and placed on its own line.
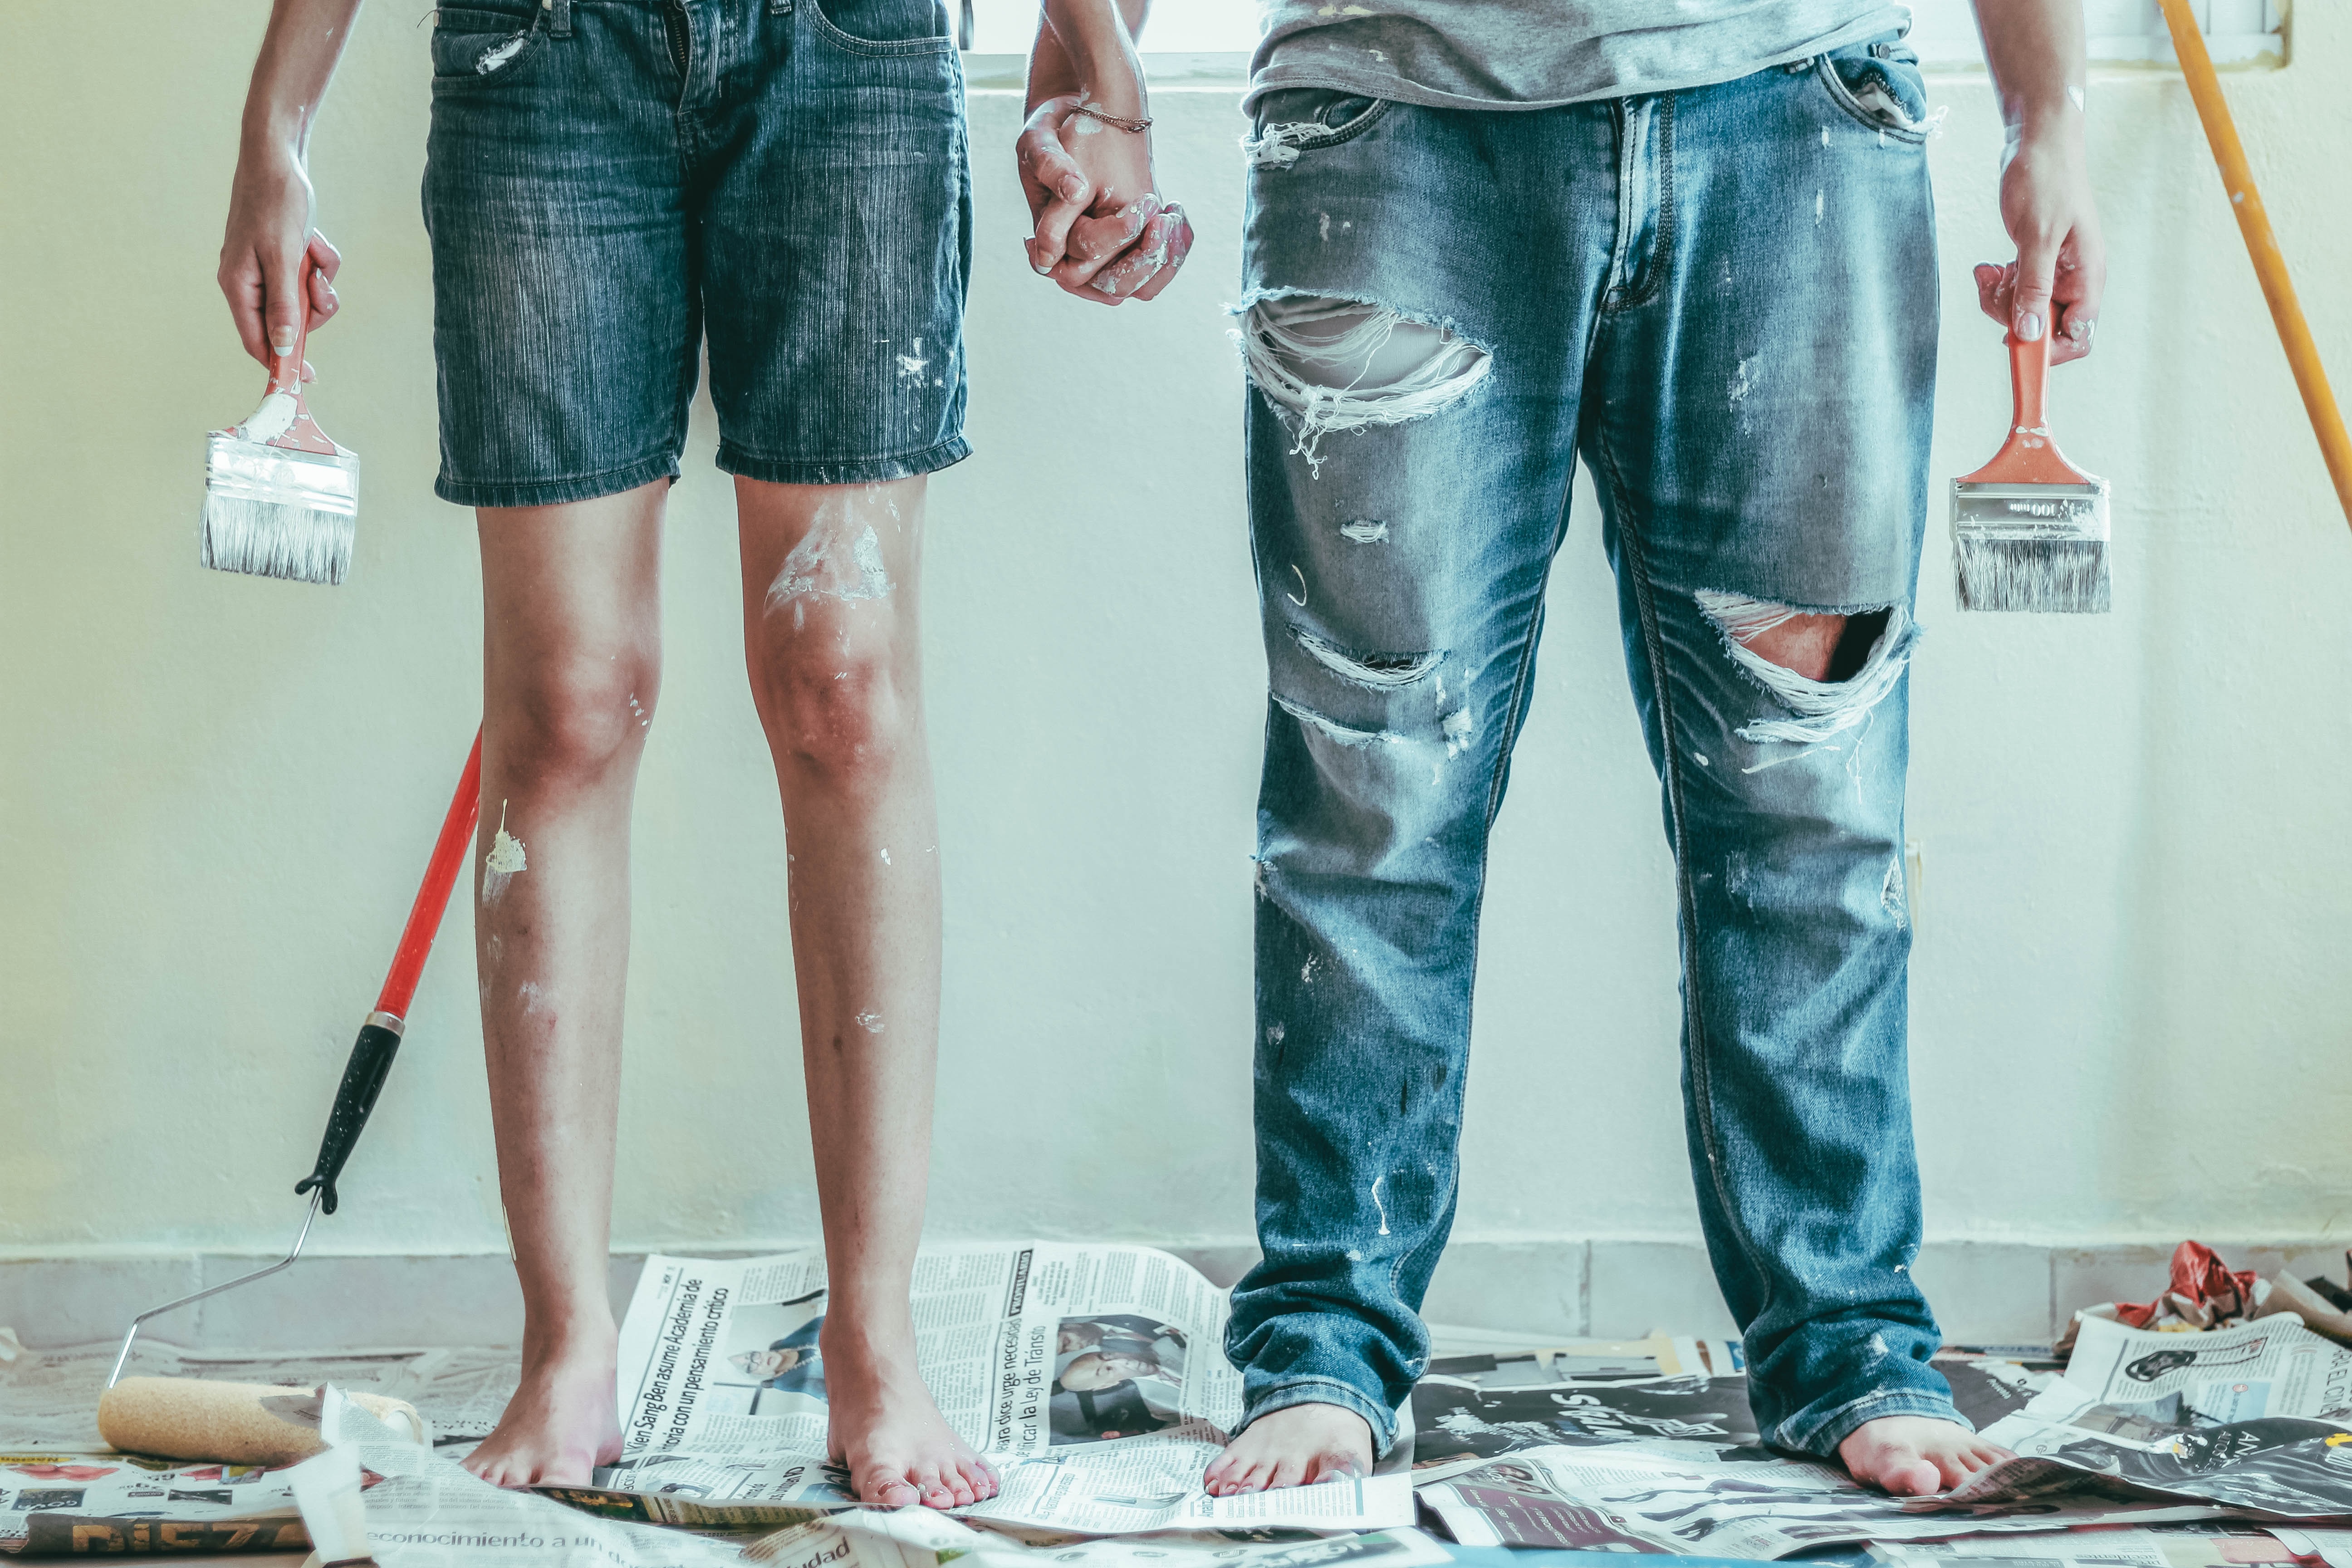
x=559 y=17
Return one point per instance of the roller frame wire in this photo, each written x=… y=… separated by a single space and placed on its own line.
x=123 y=1358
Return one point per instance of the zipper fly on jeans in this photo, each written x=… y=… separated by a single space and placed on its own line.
x=1645 y=199
x=681 y=29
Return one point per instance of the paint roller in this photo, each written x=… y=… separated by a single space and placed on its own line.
x=235 y=1423
x=259 y=1424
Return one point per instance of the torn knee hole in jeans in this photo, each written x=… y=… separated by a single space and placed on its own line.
x=1342 y=364
x=1332 y=729
x=1857 y=673
x=1380 y=671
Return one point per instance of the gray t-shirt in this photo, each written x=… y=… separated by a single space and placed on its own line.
x=1533 y=53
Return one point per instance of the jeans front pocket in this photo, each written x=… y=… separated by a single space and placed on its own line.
x=479 y=44
x=882 y=26
x=1885 y=93
x=1296 y=120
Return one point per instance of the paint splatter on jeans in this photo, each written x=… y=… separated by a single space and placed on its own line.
x=1725 y=300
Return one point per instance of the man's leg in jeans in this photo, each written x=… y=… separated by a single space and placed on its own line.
x=1412 y=412
x=1763 y=471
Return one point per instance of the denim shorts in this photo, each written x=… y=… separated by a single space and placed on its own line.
x=608 y=182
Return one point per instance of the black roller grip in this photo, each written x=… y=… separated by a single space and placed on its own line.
x=363 y=1077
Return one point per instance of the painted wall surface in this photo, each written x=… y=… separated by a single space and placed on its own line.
x=217 y=792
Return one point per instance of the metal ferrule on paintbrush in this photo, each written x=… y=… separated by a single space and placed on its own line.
x=2029 y=529
x=280 y=499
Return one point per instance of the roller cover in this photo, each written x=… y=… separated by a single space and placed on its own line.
x=235 y=1423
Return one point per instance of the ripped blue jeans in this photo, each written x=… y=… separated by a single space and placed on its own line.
x=1725 y=300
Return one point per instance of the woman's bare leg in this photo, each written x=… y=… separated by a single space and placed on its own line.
x=570 y=665
x=830 y=633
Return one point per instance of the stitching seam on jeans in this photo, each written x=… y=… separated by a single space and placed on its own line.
x=1662 y=247
x=1654 y=648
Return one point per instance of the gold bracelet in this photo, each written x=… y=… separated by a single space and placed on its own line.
x=1121 y=121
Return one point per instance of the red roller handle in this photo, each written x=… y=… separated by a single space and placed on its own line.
x=450 y=855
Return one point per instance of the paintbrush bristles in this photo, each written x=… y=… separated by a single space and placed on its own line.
x=274 y=538
x=276 y=512
x=2048 y=577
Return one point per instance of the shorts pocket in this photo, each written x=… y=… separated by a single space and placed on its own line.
x=1885 y=94
x=882 y=26
x=475 y=46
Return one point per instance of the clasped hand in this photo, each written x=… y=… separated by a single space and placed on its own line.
x=1102 y=231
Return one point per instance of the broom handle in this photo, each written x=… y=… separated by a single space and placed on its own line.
x=2270 y=266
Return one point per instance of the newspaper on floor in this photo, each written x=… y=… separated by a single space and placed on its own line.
x=57 y=1503
x=64 y=1492
x=1093 y=1378
x=1590 y=1360
x=2142 y=1428
x=1642 y=1497
x=373 y=1496
x=2218 y=1544
x=1459 y=1426
x=2256 y=1418
x=2332 y=1547
x=48 y=1399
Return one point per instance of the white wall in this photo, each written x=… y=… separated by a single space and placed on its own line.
x=217 y=792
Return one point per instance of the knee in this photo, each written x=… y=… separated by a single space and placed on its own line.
x=841 y=716
x=1827 y=670
x=577 y=715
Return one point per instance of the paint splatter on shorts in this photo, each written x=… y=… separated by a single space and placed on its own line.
x=611 y=183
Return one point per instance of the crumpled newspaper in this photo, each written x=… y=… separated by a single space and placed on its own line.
x=2206 y=1293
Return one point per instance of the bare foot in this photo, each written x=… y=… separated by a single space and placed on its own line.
x=888 y=1432
x=1916 y=1456
x=1294 y=1446
x=560 y=1424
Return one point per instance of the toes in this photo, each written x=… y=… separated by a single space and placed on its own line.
x=1333 y=1462
x=886 y=1488
x=1212 y=1479
x=935 y=1492
x=1916 y=1477
x=1289 y=1472
x=978 y=1476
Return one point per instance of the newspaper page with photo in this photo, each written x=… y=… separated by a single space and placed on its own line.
x=1093 y=1378
x=2257 y=1419
x=1628 y=1497
x=1460 y=1425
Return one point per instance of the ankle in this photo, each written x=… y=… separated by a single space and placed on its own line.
x=574 y=1339
x=859 y=1340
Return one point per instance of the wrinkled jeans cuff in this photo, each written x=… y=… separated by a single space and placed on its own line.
x=1326 y=1390
x=1819 y=1431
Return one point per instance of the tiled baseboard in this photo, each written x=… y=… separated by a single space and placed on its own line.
x=1983 y=1292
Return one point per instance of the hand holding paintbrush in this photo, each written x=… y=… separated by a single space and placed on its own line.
x=280 y=498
